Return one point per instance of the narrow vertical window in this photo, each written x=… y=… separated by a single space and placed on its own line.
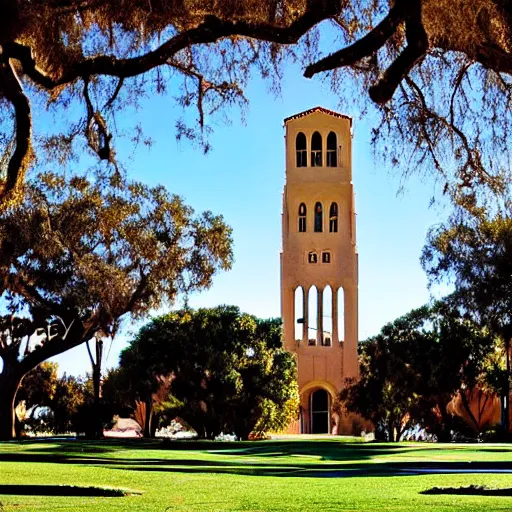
x=302 y=218
x=327 y=316
x=316 y=150
x=312 y=315
x=300 y=147
x=299 y=313
x=319 y=218
x=332 y=153
x=333 y=218
x=341 y=314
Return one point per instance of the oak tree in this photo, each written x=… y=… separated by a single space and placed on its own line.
x=224 y=371
x=78 y=254
x=475 y=254
x=438 y=70
x=411 y=370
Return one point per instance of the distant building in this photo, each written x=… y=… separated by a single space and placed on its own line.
x=319 y=264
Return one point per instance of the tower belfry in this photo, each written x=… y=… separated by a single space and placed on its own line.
x=319 y=263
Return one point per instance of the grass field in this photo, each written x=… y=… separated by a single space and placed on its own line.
x=313 y=475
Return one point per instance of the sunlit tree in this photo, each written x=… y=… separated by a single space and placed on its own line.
x=77 y=255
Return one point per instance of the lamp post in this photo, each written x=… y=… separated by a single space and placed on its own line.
x=301 y=321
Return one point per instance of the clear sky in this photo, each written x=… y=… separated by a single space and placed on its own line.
x=242 y=178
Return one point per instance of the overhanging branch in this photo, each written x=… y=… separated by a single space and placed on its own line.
x=362 y=48
x=11 y=89
x=210 y=31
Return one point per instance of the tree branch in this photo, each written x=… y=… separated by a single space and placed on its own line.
x=11 y=89
x=417 y=45
x=210 y=31
x=365 y=46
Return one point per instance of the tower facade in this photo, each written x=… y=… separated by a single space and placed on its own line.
x=319 y=274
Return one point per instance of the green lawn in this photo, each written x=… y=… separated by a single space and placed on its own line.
x=313 y=475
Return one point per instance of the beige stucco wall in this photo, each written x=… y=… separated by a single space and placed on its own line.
x=320 y=366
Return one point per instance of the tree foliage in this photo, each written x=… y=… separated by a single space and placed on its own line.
x=476 y=254
x=412 y=369
x=227 y=370
x=79 y=254
x=439 y=71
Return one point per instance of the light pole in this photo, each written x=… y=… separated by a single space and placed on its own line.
x=325 y=341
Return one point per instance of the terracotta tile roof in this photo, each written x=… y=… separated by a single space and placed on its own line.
x=318 y=109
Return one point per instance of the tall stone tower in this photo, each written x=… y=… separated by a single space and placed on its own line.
x=319 y=264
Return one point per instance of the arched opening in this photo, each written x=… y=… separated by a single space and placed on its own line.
x=320 y=412
x=302 y=218
x=312 y=315
x=341 y=314
x=298 y=313
x=332 y=153
x=316 y=150
x=326 y=338
x=333 y=218
x=301 y=151
x=319 y=218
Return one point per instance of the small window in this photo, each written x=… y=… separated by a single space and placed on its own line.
x=312 y=257
x=332 y=153
x=316 y=150
x=333 y=218
x=326 y=257
x=302 y=218
x=301 y=151
x=319 y=218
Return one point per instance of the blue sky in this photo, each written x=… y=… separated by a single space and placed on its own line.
x=242 y=178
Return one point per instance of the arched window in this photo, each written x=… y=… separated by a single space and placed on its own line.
x=299 y=313
x=300 y=147
x=312 y=315
x=332 y=153
x=316 y=150
x=302 y=218
x=319 y=218
x=341 y=314
x=333 y=218
x=326 y=316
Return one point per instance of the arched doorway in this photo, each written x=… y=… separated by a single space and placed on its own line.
x=320 y=412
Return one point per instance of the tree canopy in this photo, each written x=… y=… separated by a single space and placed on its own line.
x=439 y=71
x=79 y=254
x=223 y=371
x=475 y=253
x=412 y=369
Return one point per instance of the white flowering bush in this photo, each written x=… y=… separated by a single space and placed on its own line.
x=175 y=431
x=226 y=437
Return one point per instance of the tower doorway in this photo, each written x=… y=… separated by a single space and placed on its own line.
x=320 y=412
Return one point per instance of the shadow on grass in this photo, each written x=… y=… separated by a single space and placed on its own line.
x=62 y=490
x=317 y=459
x=325 y=471
x=472 y=490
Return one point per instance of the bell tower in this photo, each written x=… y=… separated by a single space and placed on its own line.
x=319 y=264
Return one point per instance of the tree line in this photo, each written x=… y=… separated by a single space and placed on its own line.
x=218 y=370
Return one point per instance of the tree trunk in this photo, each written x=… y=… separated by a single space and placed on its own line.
x=9 y=384
x=97 y=426
x=148 y=418
x=96 y=384
x=505 y=422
